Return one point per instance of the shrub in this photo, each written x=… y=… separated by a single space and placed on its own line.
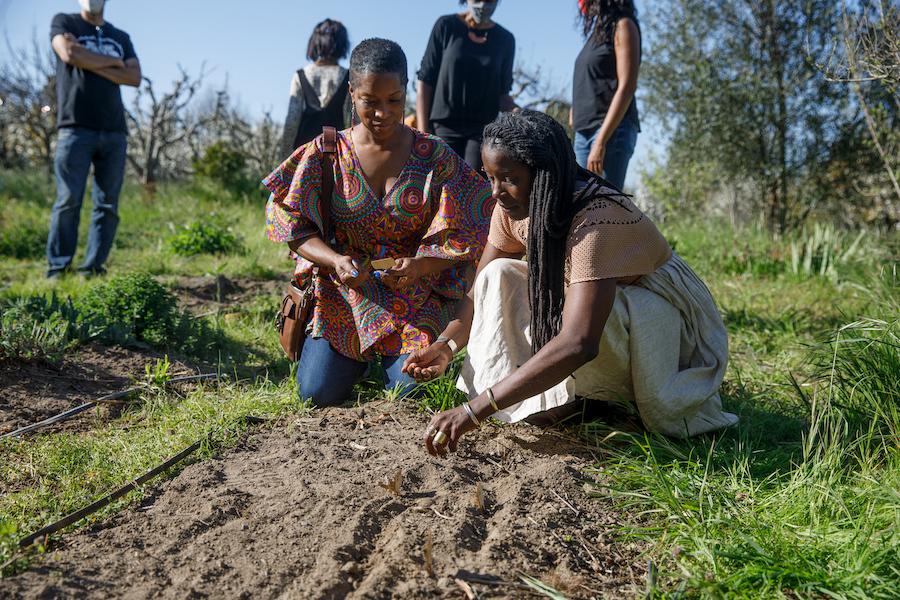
x=223 y=165
x=205 y=238
x=132 y=306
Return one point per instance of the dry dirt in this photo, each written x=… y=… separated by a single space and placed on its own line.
x=30 y=392
x=297 y=512
x=206 y=293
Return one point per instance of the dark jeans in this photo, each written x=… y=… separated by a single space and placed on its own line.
x=464 y=141
x=327 y=377
x=619 y=149
x=76 y=149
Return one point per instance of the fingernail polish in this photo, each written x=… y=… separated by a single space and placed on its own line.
x=354 y=273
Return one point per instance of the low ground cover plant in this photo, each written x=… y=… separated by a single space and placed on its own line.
x=202 y=237
x=38 y=327
x=130 y=309
x=26 y=239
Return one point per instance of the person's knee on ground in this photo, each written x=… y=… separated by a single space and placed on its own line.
x=321 y=393
x=324 y=376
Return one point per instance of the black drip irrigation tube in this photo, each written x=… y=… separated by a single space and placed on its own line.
x=68 y=414
x=93 y=507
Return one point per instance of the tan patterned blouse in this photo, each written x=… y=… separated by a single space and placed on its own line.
x=608 y=239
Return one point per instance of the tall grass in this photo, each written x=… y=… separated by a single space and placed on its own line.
x=756 y=514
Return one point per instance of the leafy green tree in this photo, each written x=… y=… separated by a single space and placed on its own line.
x=732 y=83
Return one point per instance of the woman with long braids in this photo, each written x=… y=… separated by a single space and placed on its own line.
x=400 y=196
x=612 y=313
x=604 y=111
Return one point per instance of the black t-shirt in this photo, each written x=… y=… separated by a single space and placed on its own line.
x=594 y=85
x=85 y=99
x=468 y=77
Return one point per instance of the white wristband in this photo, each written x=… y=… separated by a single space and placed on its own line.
x=449 y=341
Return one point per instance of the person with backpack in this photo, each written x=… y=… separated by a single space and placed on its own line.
x=319 y=92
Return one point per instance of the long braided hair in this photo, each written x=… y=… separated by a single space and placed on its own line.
x=539 y=142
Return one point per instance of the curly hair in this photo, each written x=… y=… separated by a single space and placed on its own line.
x=376 y=56
x=540 y=142
x=599 y=17
x=329 y=40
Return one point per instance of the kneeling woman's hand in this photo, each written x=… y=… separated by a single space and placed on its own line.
x=349 y=272
x=404 y=273
x=428 y=363
x=453 y=424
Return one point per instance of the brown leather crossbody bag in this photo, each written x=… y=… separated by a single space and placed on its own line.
x=299 y=301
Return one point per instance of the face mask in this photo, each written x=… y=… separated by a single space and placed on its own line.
x=95 y=7
x=481 y=11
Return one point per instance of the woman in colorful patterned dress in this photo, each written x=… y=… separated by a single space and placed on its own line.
x=399 y=194
x=603 y=309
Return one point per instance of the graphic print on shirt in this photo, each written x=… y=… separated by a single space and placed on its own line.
x=102 y=45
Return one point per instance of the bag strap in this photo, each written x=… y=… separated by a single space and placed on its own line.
x=329 y=157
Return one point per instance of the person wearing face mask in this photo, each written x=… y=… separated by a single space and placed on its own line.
x=400 y=197
x=604 y=111
x=465 y=78
x=94 y=58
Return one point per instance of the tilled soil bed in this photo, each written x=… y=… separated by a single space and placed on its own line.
x=31 y=392
x=305 y=511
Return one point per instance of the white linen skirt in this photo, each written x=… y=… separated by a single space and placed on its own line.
x=664 y=349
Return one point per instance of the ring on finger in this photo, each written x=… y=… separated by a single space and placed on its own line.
x=440 y=438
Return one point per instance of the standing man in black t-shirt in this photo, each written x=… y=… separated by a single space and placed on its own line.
x=93 y=60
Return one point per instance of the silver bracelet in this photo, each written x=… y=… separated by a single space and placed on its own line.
x=471 y=414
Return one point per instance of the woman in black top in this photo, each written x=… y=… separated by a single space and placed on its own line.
x=604 y=113
x=465 y=78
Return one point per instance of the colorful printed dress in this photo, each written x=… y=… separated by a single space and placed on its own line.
x=438 y=207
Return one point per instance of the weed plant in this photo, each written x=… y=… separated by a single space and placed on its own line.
x=37 y=328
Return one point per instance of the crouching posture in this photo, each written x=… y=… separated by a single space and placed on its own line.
x=602 y=309
x=399 y=196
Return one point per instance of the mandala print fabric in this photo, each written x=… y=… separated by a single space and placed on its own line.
x=438 y=207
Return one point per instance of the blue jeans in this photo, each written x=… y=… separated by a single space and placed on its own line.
x=327 y=377
x=619 y=149
x=76 y=149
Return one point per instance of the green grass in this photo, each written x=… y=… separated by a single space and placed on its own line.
x=801 y=500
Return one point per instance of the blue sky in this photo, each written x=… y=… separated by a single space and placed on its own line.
x=258 y=45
